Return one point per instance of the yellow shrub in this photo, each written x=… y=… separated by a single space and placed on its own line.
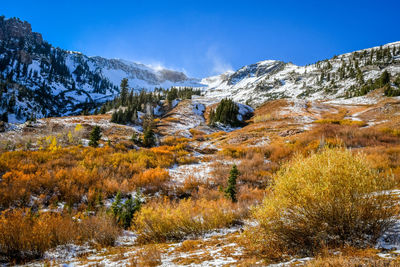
x=326 y=199
x=162 y=221
x=78 y=127
x=234 y=151
x=173 y=140
x=264 y=118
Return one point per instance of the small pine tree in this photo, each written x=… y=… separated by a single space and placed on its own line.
x=116 y=205
x=172 y=95
x=135 y=138
x=124 y=91
x=4 y=117
x=230 y=191
x=149 y=137
x=123 y=212
x=95 y=136
x=114 y=117
x=383 y=79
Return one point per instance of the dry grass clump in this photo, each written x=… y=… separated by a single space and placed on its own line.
x=172 y=119
x=25 y=235
x=100 y=229
x=254 y=171
x=149 y=256
x=264 y=118
x=325 y=200
x=351 y=136
x=341 y=122
x=168 y=220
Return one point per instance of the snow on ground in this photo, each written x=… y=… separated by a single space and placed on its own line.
x=128 y=238
x=68 y=252
x=200 y=171
x=296 y=107
x=226 y=128
x=175 y=102
x=360 y=100
x=244 y=110
x=85 y=255
x=188 y=114
x=292 y=262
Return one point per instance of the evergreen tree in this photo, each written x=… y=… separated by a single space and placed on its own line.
x=230 y=191
x=123 y=212
x=149 y=138
x=95 y=136
x=172 y=95
x=116 y=205
x=383 y=79
x=4 y=117
x=390 y=91
x=225 y=113
x=103 y=109
x=129 y=208
x=124 y=92
x=114 y=117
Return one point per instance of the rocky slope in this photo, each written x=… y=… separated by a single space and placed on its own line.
x=339 y=77
x=40 y=80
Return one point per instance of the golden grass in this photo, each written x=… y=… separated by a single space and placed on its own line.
x=341 y=122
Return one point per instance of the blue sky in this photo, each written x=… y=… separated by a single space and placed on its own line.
x=204 y=38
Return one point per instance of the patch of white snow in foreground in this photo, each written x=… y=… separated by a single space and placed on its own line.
x=292 y=262
x=200 y=171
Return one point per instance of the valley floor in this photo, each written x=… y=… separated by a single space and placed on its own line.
x=198 y=159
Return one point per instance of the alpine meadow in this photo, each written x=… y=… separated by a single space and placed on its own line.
x=110 y=158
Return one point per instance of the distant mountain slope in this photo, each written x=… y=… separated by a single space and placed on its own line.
x=342 y=76
x=37 y=78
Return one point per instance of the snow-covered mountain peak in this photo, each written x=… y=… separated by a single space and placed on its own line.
x=339 y=77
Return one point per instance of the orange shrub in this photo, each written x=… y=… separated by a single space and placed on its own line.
x=173 y=140
x=152 y=180
x=24 y=236
x=69 y=174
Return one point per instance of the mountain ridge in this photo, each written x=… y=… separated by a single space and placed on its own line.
x=342 y=76
x=38 y=79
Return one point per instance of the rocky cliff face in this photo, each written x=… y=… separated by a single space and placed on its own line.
x=17 y=29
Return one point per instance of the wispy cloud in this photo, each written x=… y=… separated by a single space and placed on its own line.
x=219 y=65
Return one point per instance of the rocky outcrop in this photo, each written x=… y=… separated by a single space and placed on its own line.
x=17 y=29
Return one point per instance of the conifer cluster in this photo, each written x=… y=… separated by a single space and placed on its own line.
x=226 y=113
